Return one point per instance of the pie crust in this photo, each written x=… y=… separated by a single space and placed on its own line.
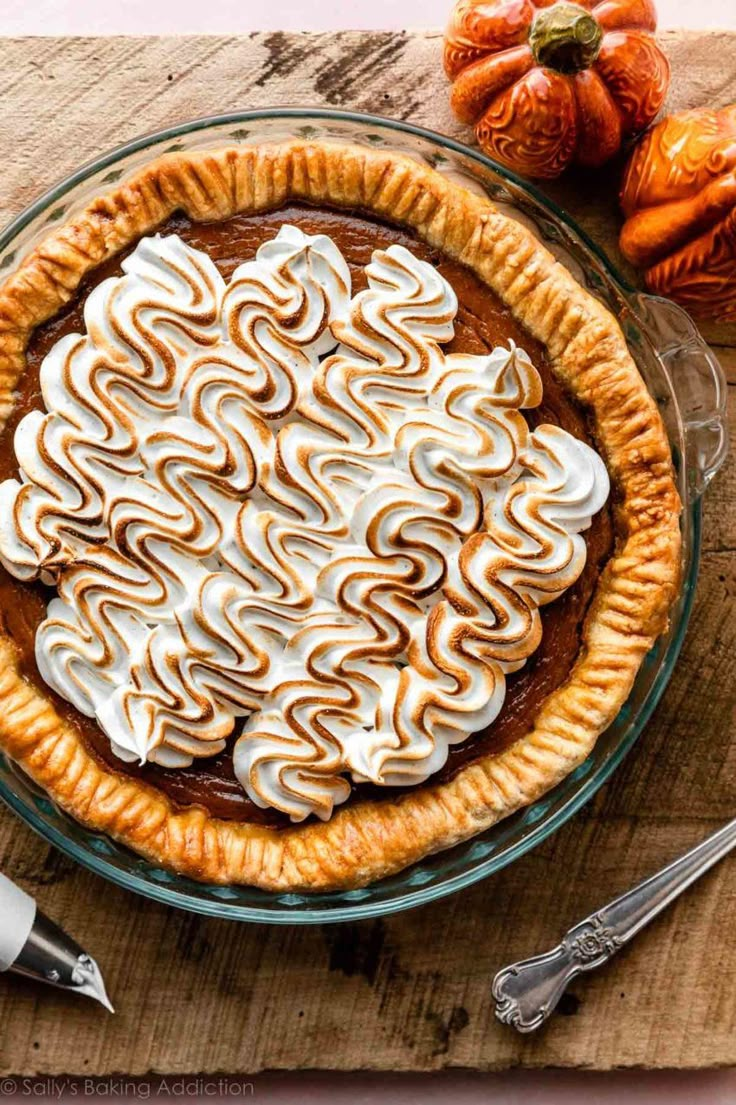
x=369 y=839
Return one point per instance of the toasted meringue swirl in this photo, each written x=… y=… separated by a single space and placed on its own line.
x=267 y=500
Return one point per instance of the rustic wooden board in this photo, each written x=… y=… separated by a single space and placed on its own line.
x=410 y=992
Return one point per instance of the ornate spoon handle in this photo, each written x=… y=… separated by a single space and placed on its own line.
x=527 y=992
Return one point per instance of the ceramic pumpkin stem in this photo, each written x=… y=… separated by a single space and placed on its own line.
x=565 y=37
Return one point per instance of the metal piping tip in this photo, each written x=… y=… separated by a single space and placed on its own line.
x=88 y=980
x=55 y=958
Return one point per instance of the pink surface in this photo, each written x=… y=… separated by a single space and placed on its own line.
x=532 y=1088
x=443 y=1088
x=512 y=1088
x=53 y=17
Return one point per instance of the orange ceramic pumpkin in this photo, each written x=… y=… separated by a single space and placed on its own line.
x=548 y=83
x=679 y=198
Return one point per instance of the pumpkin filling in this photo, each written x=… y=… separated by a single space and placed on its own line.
x=481 y=324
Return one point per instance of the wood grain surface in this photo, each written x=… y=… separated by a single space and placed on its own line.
x=410 y=992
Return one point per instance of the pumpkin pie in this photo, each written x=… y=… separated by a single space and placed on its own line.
x=335 y=518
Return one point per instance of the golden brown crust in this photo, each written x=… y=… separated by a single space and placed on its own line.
x=368 y=840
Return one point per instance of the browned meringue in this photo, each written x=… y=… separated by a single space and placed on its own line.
x=350 y=550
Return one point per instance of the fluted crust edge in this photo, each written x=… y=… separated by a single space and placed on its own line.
x=367 y=840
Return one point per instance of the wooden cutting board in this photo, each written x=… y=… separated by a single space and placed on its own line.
x=410 y=992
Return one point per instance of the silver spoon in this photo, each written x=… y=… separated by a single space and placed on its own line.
x=527 y=992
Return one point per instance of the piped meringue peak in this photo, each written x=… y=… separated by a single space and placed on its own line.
x=270 y=500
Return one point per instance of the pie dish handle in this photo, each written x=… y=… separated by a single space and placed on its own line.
x=697 y=381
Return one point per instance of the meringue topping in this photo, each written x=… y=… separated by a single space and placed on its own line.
x=268 y=500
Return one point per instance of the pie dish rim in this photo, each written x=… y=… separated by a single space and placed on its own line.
x=326 y=877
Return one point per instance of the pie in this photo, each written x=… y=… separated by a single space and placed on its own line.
x=335 y=518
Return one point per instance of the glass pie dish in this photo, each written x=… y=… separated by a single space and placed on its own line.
x=681 y=374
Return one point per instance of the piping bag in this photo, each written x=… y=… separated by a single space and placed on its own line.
x=32 y=945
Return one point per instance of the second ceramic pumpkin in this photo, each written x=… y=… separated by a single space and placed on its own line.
x=549 y=83
x=679 y=199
